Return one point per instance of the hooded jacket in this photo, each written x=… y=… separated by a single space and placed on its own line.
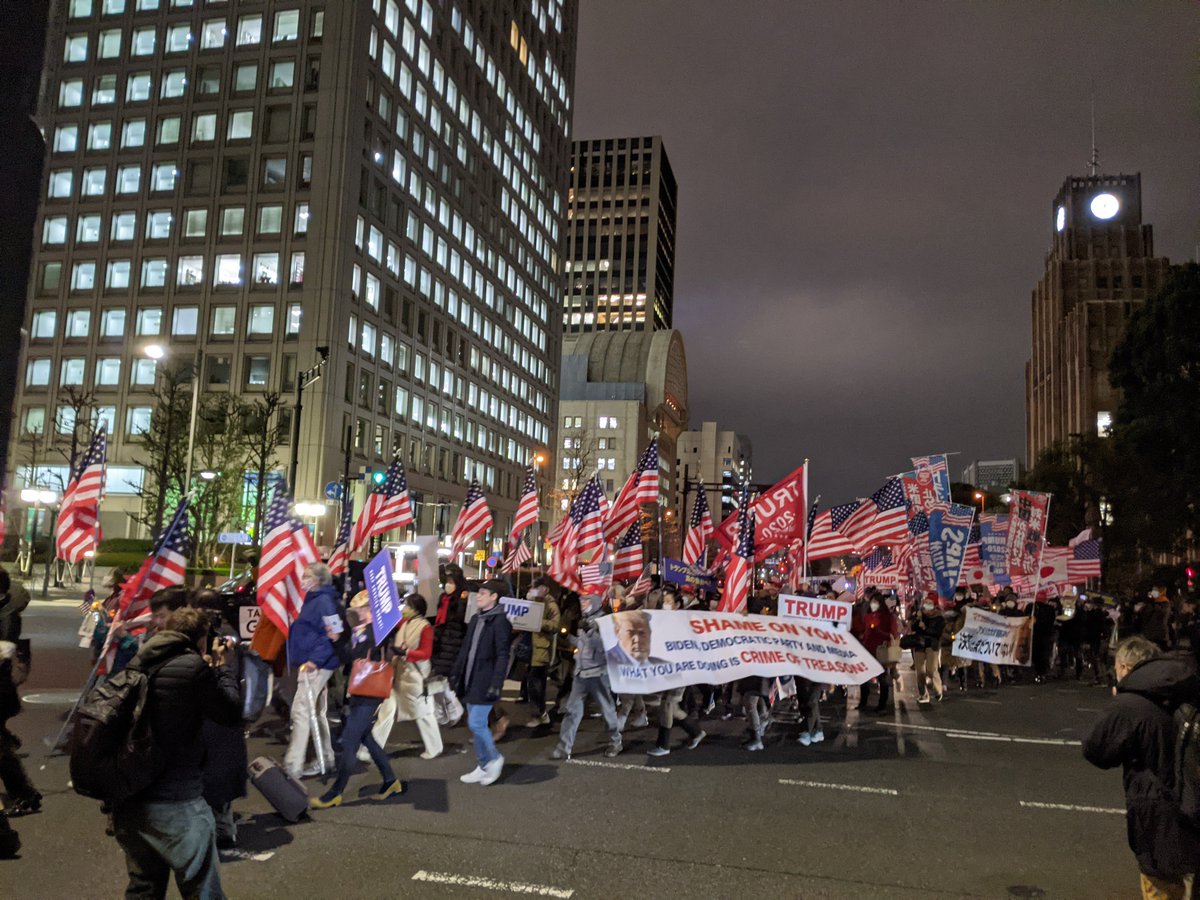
x=184 y=691
x=307 y=640
x=1138 y=734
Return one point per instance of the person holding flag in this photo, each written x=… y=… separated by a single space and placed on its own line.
x=310 y=649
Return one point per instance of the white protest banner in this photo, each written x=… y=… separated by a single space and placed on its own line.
x=524 y=615
x=658 y=650
x=830 y=612
x=991 y=637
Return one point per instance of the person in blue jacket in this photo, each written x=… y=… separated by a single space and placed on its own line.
x=311 y=653
x=478 y=676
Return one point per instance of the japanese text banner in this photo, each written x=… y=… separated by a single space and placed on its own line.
x=993 y=638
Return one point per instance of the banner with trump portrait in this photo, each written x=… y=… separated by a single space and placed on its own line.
x=658 y=650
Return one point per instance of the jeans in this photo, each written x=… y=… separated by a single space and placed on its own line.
x=309 y=705
x=356 y=731
x=755 y=709
x=481 y=733
x=597 y=688
x=164 y=837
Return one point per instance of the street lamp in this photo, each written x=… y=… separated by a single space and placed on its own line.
x=539 y=460
x=208 y=474
x=313 y=511
x=981 y=497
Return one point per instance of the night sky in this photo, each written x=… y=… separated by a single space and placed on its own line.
x=865 y=200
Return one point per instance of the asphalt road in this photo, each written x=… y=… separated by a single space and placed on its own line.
x=984 y=795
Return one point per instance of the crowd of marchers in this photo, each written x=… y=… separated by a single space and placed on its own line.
x=339 y=694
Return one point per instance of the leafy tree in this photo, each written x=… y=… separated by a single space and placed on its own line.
x=1156 y=366
x=163 y=455
x=264 y=427
x=221 y=449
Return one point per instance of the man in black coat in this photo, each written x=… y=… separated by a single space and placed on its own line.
x=478 y=677
x=168 y=826
x=1138 y=733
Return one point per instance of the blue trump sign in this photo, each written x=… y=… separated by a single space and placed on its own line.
x=383 y=596
x=678 y=572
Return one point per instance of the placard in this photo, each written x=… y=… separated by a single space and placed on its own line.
x=816 y=609
x=523 y=615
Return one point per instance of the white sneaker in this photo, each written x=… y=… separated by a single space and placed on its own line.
x=473 y=777
x=695 y=742
x=427 y=755
x=818 y=736
x=491 y=772
x=639 y=722
x=658 y=751
x=805 y=738
x=363 y=755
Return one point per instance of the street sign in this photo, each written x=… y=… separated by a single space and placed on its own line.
x=248 y=617
x=233 y=537
x=492 y=562
x=480 y=555
x=333 y=491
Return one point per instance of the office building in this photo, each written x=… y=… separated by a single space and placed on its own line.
x=992 y=474
x=1100 y=266
x=258 y=185
x=718 y=459
x=620 y=250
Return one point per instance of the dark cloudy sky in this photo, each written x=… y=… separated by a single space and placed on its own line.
x=865 y=200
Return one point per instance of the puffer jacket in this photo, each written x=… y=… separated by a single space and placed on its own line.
x=450 y=625
x=1138 y=733
x=184 y=691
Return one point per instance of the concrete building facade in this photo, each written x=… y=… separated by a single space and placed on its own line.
x=254 y=185
x=1100 y=266
x=721 y=460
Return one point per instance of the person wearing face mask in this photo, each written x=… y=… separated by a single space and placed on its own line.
x=356 y=724
x=591 y=680
x=449 y=626
x=310 y=649
x=876 y=628
x=928 y=626
x=410 y=699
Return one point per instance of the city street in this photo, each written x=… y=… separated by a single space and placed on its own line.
x=984 y=795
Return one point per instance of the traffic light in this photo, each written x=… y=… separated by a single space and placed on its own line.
x=377 y=477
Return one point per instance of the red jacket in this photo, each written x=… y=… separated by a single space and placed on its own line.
x=874 y=629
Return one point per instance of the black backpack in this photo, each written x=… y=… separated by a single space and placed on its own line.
x=113 y=753
x=1187 y=760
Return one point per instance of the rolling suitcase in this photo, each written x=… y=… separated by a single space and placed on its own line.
x=283 y=792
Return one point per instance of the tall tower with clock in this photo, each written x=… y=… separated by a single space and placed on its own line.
x=1101 y=264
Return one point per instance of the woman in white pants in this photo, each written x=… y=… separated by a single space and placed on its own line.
x=410 y=698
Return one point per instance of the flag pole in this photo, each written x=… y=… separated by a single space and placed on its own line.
x=659 y=509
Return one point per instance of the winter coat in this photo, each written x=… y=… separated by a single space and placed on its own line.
x=10 y=701
x=590 y=661
x=929 y=627
x=479 y=680
x=544 y=640
x=226 y=759
x=415 y=638
x=307 y=640
x=1138 y=734
x=12 y=605
x=184 y=691
x=449 y=627
x=1154 y=621
x=874 y=629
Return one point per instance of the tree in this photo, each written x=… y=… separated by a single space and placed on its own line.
x=164 y=449
x=264 y=428
x=75 y=423
x=577 y=462
x=1082 y=476
x=1156 y=366
x=221 y=449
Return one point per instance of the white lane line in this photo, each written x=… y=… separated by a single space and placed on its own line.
x=512 y=887
x=1011 y=740
x=964 y=733
x=975 y=700
x=608 y=765
x=857 y=788
x=1030 y=804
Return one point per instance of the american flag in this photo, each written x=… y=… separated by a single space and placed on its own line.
x=700 y=529
x=287 y=548
x=827 y=538
x=165 y=567
x=597 y=576
x=1084 y=561
x=473 y=519
x=939 y=467
x=627 y=555
x=795 y=558
x=78 y=530
x=641 y=487
x=642 y=585
x=890 y=523
x=1085 y=535
x=739 y=573
x=527 y=509
x=518 y=554
x=387 y=507
x=586 y=529
x=339 y=561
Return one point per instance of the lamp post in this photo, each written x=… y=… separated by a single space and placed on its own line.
x=313 y=511
x=982 y=498
x=39 y=497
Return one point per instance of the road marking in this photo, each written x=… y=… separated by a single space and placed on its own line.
x=967 y=734
x=64 y=697
x=608 y=765
x=974 y=700
x=512 y=887
x=1030 y=804
x=1011 y=740
x=858 y=788
x=235 y=854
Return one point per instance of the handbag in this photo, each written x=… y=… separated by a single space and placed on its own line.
x=370 y=678
x=911 y=642
x=889 y=653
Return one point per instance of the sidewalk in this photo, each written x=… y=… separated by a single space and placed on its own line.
x=69 y=591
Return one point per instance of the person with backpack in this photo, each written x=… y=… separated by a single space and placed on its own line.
x=166 y=826
x=310 y=647
x=1155 y=695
